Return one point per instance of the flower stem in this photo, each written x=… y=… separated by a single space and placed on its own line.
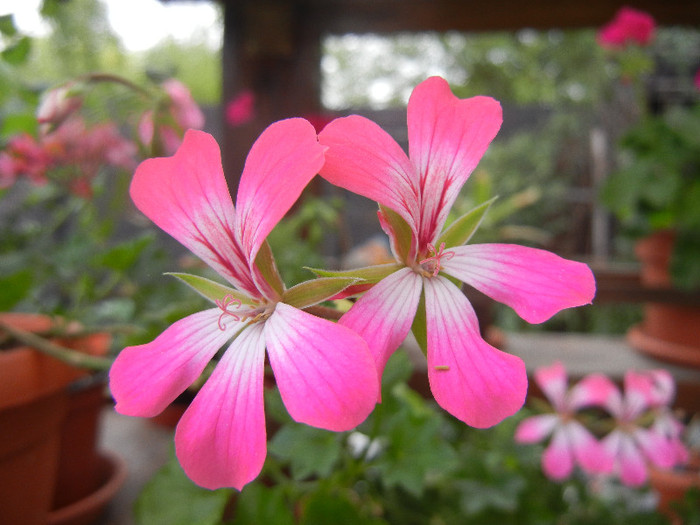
x=67 y=355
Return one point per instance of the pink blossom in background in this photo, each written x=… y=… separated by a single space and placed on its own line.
x=57 y=105
x=167 y=127
x=469 y=378
x=324 y=371
x=241 y=108
x=571 y=443
x=23 y=156
x=697 y=79
x=631 y=443
x=72 y=149
x=629 y=26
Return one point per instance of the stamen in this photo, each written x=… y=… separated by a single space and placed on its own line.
x=224 y=304
x=435 y=259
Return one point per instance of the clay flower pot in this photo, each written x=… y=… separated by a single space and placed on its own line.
x=671 y=486
x=34 y=401
x=668 y=331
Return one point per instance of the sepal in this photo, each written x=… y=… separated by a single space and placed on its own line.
x=462 y=229
x=315 y=291
x=210 y=289
x=419 y=326
x=366 y=275
x=399 y=232
x=265 y=263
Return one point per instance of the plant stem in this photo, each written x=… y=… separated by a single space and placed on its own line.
x=67 y=355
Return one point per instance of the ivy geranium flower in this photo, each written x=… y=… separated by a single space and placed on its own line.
x=571 y=442
x=324 y=371
x=633 y=442
x=447 y=136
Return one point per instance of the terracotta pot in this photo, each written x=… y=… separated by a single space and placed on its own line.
x=668 y=331
x=33 y=404
x=671 y=486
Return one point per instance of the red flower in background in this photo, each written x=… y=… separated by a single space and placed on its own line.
x=241 y=108
x=630 y=26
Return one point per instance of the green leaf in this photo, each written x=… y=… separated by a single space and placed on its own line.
x=210 y=289
x=258 y=504
x=310 y=452
x=403 y=235
x=315 y=291
x=266 y=264
x=337 y=506
x=123 y=256
x=170 y=497
x=7 y=25
x=14 y=288
x=368 y=275
x=18 y=52
x=419 y=328
x=461 y=230
x=18 y=123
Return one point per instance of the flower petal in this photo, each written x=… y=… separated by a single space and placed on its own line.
x=589 y=453
x=383 y=316
x=364 y=159
x=186 y=195
x=534 y=429
x=558 y=458
x=145 y=379
x=535 y=283
x=553 y=382
x=221 y=439
x=325 y=372
x=281 y=162
x=633 y=468
x=469 y=378
x=595 y=390
x=447 y=137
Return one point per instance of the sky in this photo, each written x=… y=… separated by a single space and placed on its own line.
x=133 y=20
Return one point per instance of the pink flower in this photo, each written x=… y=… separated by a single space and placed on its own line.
x=241 y=108
x=167 y=127
x=324 y=371
x=58 y=104
x=630 y=26
x=475 y=382
x=24 y=156
x=696 y=80
x=631 y=443
x=571 y=443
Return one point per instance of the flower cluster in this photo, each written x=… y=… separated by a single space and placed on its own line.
x=637 y=427
x=328 y=374
x=70 y=151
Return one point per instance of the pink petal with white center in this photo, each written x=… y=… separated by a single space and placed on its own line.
x=447 y=137
x=594 y=390
x=663 y=389
x=364 y=159
x=469 y=378
x=535 y=283
x=638 y=394
x=631 y=464
x=589 y=453
x=282 y=161
x=186 y=195
x=221 y=438
x=145 y=379
x=558 y=458
x=659 y=450
x=383 y=316
x=534 y=429
x=553 y=382
x=325 y=372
